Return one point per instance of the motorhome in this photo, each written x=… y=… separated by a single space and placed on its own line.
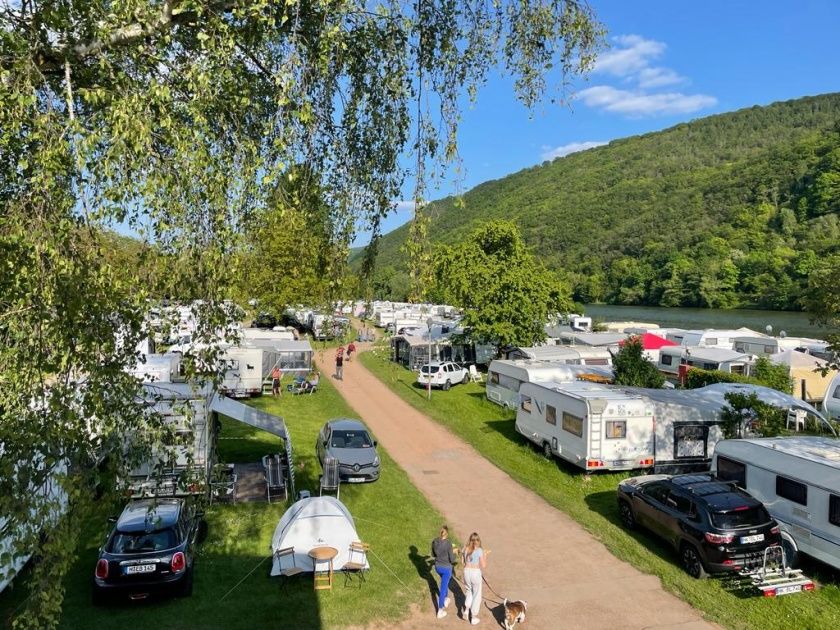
x=571 y=355
x=593 y=426
x=504 y=377
x=831 y=402
x=798 y=480
x=241 y=371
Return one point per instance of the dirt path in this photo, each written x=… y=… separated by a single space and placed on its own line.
x=538 y=554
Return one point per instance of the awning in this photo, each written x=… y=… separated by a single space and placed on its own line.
x=250 y=416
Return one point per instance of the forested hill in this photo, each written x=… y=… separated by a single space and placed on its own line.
x=730 y=210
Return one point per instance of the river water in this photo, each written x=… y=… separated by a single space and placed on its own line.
x=794 y=324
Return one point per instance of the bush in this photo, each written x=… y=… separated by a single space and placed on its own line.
x=764 y=373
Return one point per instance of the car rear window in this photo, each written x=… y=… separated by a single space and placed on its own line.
x=350 y=439
x=430 y=368
x=139 y=542
x=749 y=517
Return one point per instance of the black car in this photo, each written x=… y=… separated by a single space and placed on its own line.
x=150 y=550
x=351 y=444
x=264 y=320
x=714 y=525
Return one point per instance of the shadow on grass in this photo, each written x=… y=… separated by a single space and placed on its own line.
x=425 y=569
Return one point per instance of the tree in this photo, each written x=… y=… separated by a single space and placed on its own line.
x=747 y=413
x=633 y=368
x=178 y=119
x=506 y=294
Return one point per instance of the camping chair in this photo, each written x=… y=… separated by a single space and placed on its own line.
x=475 y=375
x=288 y=567
x=356 y=562
x=329 y=479
x=275 y=481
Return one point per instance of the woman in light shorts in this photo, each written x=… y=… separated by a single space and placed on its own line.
x=475 y=561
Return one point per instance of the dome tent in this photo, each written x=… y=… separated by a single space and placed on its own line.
x=314 y=522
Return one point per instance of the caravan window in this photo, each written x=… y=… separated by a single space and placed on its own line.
x=494 y=378
x=550 y=415
x=508 y=382
x=730 y=470
x=792 y=490
x=690 y=440
x=834 y=509
x=616 y=429
x=573 y=424
x=711 y=341
x=596 y=362
x=666 y=359
x=769 y=349
x=526 y=403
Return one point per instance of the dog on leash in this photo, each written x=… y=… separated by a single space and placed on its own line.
x=514 y=613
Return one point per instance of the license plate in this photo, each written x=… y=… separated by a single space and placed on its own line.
x=139 y=568
x=752 y=539
x=784 y=590
x=356 y=479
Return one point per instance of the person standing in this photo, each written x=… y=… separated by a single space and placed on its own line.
x=339 y=364
x=276 y=375
x=475 y=561
x=350 y=350
x=444 y=556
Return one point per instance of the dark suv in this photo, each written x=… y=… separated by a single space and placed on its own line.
x=714 y=525
x=150 y=550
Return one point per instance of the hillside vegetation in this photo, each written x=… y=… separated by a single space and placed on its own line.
x=727 y=211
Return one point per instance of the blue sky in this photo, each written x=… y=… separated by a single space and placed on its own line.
x=669 y=62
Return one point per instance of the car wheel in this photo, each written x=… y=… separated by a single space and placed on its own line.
x=447 y=385
x=626 y=514
x=98 y=597
x=547 y=450
x=185 y=589
x=466 y=378
x=692 y=563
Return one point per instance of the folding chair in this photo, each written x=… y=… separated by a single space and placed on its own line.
x=275 y=481
x=288 y=567
x=475 y=375
x=356 y=563
x=329 y=478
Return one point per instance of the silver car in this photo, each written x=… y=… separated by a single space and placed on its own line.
x=350 y=442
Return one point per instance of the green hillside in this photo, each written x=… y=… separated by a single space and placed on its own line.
x=726 y=211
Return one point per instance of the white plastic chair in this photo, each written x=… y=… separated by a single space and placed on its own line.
x=475 y=375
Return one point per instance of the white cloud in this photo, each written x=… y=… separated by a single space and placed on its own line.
x=572 y=147
x=632 y=54
x=404 y=205
x=640 y=103
x=658 y=77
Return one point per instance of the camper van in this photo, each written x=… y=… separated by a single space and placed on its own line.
x=242 y=371
x=505 y=377
x=831 y=402
x=798 y=480
x=590 y=425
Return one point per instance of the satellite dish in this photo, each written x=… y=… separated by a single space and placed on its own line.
x=782 y=334
x=769 y=329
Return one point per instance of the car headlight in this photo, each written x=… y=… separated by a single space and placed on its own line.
x=376 y=461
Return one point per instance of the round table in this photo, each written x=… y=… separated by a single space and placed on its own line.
x=323 y=555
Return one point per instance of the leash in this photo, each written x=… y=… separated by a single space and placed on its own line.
x=484 y=579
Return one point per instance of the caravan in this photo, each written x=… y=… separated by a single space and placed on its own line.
x=831 y=402
x=590 y=425
x=505 y=377
x=241 y=371
x=798 y=480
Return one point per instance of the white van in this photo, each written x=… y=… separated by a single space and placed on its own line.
x=504 y=377
x=798 y=480
x=590 y=425
x=831 y=402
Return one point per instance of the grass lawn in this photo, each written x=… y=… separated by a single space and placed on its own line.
x=590 y=500
x=239 y=539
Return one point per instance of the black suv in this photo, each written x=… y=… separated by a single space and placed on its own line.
x=714 y=525
x=150 y=550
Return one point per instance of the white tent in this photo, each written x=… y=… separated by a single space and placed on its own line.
x=315 y=522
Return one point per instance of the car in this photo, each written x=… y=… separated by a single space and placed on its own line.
x=714 y=525
x=151 y=549
x=443 y=374
x=350 y=442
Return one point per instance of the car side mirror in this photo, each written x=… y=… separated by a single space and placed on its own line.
x=112 y=519
x=375 y=444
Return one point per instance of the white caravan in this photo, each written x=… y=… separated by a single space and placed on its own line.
x=505 y=377
x=831 y=402
x=590 y=425
x=241 y=371
x=159 y=368
x=798 y=480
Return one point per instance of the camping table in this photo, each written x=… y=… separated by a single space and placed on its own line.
x=324 y=555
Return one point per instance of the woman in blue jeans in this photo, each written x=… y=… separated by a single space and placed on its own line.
x=444 y=556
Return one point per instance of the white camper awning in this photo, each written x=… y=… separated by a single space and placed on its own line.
x=250 y=416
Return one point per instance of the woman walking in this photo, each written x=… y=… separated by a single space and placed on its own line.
x=475 y=561
x=444 y=556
